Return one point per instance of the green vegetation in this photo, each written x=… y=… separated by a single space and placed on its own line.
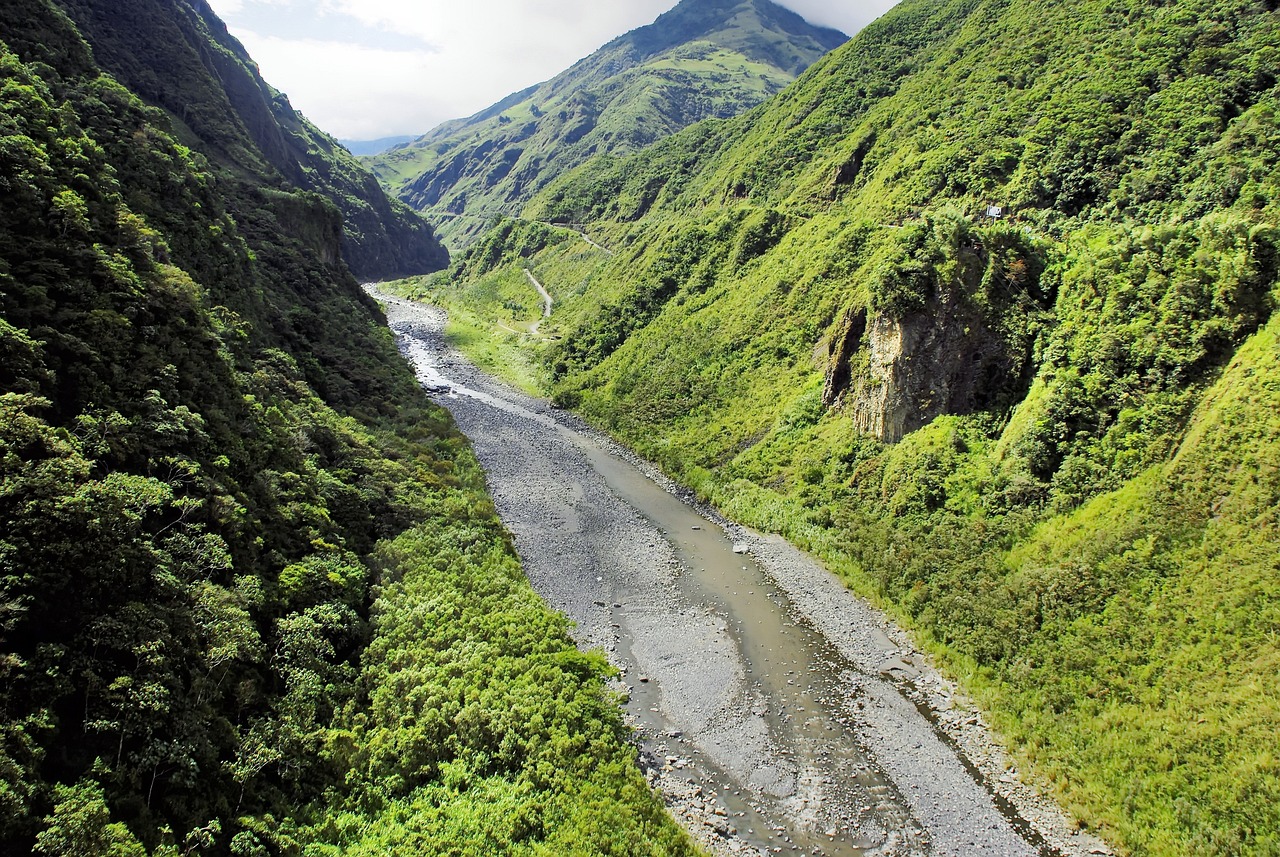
x=1045 y=442
x=488 y=733
x=219 y=105
x=702 y=59
x=490 y=322
x=497 y=314
x=253 y=597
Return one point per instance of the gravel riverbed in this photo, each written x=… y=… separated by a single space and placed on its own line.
x=775 y=711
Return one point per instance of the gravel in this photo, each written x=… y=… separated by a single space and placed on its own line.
x=866 y=750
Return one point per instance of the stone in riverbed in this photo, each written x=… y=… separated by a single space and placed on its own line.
x=897 y=667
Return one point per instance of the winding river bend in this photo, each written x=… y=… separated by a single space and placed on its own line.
x=775 y=710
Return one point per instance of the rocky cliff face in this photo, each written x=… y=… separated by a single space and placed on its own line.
x=893 y=376
x=948 y=329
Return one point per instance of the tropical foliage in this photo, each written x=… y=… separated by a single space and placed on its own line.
x=253 y=597
x=1044 y=440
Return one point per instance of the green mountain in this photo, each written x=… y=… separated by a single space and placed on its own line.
x=704 y=58
x=226 y=507
x=1047 y=440
x=220 y=106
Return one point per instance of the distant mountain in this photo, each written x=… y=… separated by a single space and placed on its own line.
x=703 y=59
x=375 y=147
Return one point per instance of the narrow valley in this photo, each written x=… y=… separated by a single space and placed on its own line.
x=769 y=700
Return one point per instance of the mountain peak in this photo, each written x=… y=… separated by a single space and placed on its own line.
x=702 y=59
x=737 y=24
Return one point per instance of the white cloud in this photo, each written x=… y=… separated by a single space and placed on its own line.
x=370 y=68
x=353 y=91
x=849 y=16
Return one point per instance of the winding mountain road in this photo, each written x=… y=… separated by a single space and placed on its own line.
x=547 y=303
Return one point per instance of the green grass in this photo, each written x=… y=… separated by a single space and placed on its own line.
x=1089 y=542
x=490 y=324
x=395 y=168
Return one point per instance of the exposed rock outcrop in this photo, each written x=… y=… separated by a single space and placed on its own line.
x=893 y=376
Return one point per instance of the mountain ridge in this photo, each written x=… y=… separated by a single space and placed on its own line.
x=704 y=58
x=375 y=147
x=204 y=79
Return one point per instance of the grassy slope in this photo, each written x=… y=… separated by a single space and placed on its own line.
x=706 y=58
x=1089 y=539
x=492 y=316
x=1162 y=695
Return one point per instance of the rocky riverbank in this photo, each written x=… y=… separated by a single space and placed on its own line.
x=775 y=710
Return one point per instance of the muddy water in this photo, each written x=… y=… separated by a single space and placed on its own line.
x=746 y=712
x=822 y=785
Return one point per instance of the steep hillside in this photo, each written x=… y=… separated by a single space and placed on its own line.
x=202 y=77
x=225 y=509
x=704 y=58
x=1046 y=439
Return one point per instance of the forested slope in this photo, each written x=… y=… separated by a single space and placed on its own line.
x=253 y=597
x=1047 y=440
x=704 y=58
x=181 y=59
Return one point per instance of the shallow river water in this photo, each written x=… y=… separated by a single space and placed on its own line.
x=760 y=689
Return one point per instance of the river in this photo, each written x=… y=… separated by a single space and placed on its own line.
x=776 y=712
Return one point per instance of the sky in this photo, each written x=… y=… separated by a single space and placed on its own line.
x=366 y=69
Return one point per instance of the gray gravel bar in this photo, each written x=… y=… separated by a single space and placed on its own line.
x=776 y=711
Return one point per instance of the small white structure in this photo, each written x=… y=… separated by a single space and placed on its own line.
x=995 y=212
